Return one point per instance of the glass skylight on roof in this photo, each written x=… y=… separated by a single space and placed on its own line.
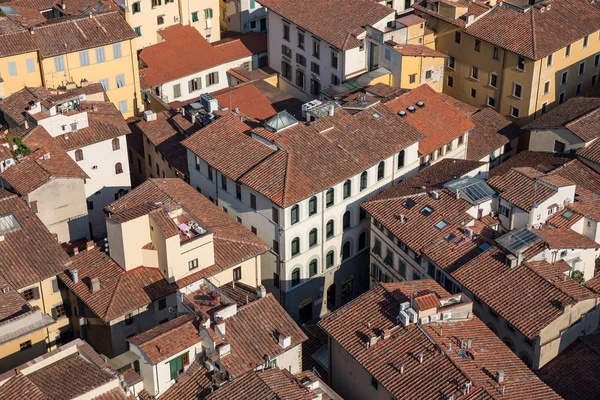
x=518 y=240
x=426 y=211
x=450 y=237
x=475 y=191
x=9 y=223
x=408 y=203
x=567 y=214
x=441 y=225
x=280 y=121
x=376 y=115
x=483 y=246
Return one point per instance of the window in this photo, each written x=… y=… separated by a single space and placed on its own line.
x=477 y=45
x=162 y=304
x=346 y=251
x=401 y=159
x=295 y=214
x=347 y=189
x=300 y=79
x=517 y=90
x=335 y=59
x=136 y=7
x=561 y=98
x=549 y=60
x=329 y=197
x=473 y=93
x=346 y=220
x=176 y=91
x=78 y=155
x=59 y=63
x=54 y=281
x=335 y=80
x=381 y=170
x=30 y=63
x=450 y=81
x=586 y=39
x=116 y=50
x=30 y=294
x=286 y=70
x=129 y=319
x=100 y=56
x=547 y=87
x=90 y=205
x=374 y=383
x=254 y=230
x=60 y=311
x=457 y=37
x=428 y=74
x=286 y=32
x=568 y=51
x=138 y=30
x=491 y=101
x=300 y=59
x=238 y=193
x=193 y=264
x=312 y=205
x=312 y=268
x=195 y=84
x=451 y=62
x=495 y=53
x=314 y=68
x=296 y=277
x=176 y=367
x=116 y=145
x=581 y=68
x=596 y=60
x=195 y=16
x=493 y=80
x=514 y=112
x=208 y=13
x=461 y=139
x=275 y=247
x=412 y=78
x=275 y=279
x=329 y=231
x=521 y=63
x=594 y=80
x=104 y=83
x=564 y=78
x=212 y=79
x=210 y=173
x=25 y=345
x=312 y=237
x=123 y=106
x=223 y=182
x=363 y=181
x=301 y=40
x=252 y=201
x=237 y=274
x=84 y=58
x=315 y=87
x=316 y=48
x=252 y=4
x=120 y=79
x=329 y=259
x=578 y=88
x=475 y=73
x=295 y=246
x=544 y=109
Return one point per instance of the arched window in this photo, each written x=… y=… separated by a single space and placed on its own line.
x=312 y=205
x=312 y=237
x=116 y=145
x=346 y=251
x=78 y=155
x=329 y=198
x=295 y=214
x=347 y=188
x=401 y=159
x=329 y=231
x=346 y=220
x=118 y=168
x=330 y=259
x=312 y=268
x=380 y=170
x=295 y=276
x=363 y=181
x=362 y=241
x=295 y=246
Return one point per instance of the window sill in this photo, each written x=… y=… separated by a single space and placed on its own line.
x=473 y=79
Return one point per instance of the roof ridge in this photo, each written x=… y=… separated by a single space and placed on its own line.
x=549 y=282
x=584 y=116
x=243 y=307
x=533 y=47
x=237 y=241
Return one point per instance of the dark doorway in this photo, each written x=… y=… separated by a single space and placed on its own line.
x=331 y=297
x=305 y=312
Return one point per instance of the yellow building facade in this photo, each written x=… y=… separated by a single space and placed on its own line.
x=521 y=77
x=18 y=71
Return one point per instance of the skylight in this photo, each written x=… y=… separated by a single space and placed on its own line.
x=9 y=223
x=409 y=203
x=474 y=191
x=567 y=214
x=518 y=240
x=441 y=225
x=426 y=211
x=376 y=115
x=449 y=237
x=484 y=246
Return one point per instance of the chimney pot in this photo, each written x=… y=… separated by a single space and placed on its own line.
x=469 y=343
x=261 y=291
x=90 y=245
x=95 y=285
x=75 y=250
x=500 y=376
x=421 y=358
x=75 y=275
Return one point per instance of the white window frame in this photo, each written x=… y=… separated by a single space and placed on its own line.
x=512 y=111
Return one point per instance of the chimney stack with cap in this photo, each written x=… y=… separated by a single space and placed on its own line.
x=75 y=275
x=95 y=283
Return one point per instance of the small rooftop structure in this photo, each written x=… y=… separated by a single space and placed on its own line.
x=475 y=191
x=518 y=240
x=280 y=121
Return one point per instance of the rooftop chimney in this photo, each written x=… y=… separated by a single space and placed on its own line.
x=75 y=250
x=284 y=340
x=500 y=376
x=2 y=237
x=469 y=343
x=95 y=283
x=90 y=245
x=75 y=275
x=421 y=358
x=261 y=291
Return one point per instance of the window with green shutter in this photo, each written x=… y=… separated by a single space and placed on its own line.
x=195 y=16
x=176 y=367
x=176 y=91
x=252 y=4
x=208 y=13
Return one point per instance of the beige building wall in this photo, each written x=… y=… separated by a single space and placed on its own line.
x=126 y=98
x=147 y=17
x=126 y=240
x=155 y=165
x=196 y=13
x=12 y=355
x=27 y=70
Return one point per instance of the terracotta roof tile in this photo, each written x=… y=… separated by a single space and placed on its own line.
x=184 y=59
x=474 y=8
x=239 y=292
x=21 y=386
x=14 y=105
x=586 y=179
x=437 y=375
x=439 y=121
x=566 y=238
x=351 y=16
x=491 y=132
x=543 y=162
x=248 y=99
x=519 y=188
x=449 y=254
x=195 y=383
x=564 y=219
x=13 y=41
x=416 y=50
x=590 y=152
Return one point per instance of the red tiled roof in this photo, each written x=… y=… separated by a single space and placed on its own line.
x=14 y=41
x=175 y=58
x=439 y=121
x=491 y=132
x=195 y=383
x=248 y=99
x=451 y=254
x=14 y=105
x=565 y=238
x=168 y=338
x=540 y=30
x=22 y=249
x=569 y=372
x=520 y=295
x=586 y=179
x=560 y=220
x=120 y=291
x=474 y=8
x=253 y=334
x=590 y=152
x=519 y=187
x=351 y=17
x=543 y=162
x=588 y=208
x=232 y=241
x=271 y=384
x=417 y=50
x=438 y=374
